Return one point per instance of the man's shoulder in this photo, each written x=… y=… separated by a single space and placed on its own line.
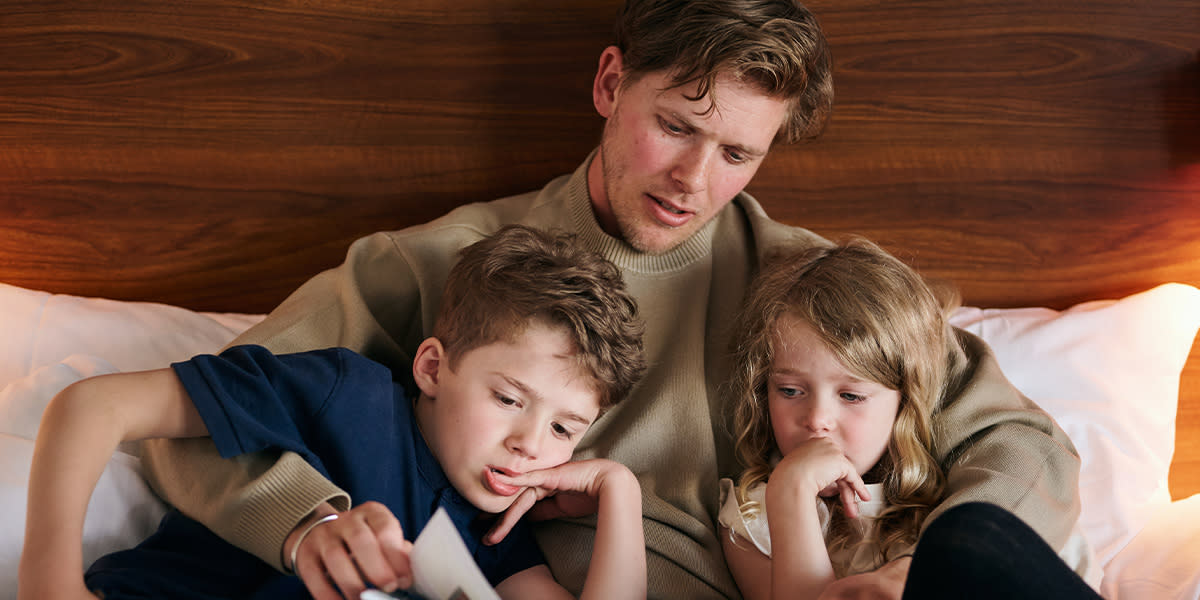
x=467 y=223
x=769 y=233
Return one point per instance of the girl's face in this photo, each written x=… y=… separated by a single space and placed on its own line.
x=810 y=395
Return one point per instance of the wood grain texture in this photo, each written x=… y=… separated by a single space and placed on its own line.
x=215 y=154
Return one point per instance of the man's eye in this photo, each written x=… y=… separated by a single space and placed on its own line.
x=671 y=127
x=735 y=157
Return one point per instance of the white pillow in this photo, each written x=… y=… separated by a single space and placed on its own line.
x=1108 y=372
x=1161 y=561
x=52 y=340
x=42 y=329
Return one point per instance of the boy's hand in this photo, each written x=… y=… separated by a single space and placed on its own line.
x=363 y=546
x=571 y=489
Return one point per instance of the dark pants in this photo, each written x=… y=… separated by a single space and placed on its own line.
x=979 y=550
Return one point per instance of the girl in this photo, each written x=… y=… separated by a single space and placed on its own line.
x=844 y=354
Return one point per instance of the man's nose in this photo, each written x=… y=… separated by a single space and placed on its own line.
x=691 y=170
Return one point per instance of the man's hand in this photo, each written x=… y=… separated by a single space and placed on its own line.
x=363 y=546
x=884 y=583
x=571 y=489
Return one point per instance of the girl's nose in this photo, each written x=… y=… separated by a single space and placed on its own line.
x=820 y=417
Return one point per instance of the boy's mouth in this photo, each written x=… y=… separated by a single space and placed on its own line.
x=495 y=485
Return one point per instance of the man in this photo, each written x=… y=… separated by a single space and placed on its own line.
x=694 y=94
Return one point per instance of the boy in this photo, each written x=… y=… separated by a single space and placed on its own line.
x=534 y=340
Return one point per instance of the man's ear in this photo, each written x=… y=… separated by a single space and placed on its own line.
x=608 y=80
x=427 y=365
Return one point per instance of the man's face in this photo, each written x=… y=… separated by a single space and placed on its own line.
x=506 y=407
x=666 y=167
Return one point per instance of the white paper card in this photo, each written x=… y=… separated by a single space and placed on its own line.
x=442 y=567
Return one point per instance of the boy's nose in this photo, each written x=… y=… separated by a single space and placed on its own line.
x=525 y=442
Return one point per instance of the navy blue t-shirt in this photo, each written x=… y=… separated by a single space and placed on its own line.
x=341 y=412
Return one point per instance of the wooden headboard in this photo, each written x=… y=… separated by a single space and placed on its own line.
x=216 y=153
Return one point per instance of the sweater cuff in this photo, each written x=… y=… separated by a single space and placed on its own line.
x=282 y=497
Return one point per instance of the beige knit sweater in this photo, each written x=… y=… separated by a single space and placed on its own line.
x=670 y=432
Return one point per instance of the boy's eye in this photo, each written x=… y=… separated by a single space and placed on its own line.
x=561 y=431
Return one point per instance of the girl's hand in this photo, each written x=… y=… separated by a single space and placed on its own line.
x=571 y=489
x=363 y=546
x=818 y=468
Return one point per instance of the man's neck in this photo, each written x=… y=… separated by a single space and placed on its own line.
x=599 y=195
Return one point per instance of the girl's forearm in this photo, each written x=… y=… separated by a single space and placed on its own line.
x=618 y=566
x=800 y=566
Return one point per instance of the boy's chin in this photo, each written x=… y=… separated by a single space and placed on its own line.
x=493 y=503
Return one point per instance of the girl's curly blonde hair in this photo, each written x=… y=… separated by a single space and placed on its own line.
x=883 y=323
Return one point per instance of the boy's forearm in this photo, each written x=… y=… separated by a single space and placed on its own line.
x=618 y=566
x=253 y=502
x=80 y=430
x=74 y=443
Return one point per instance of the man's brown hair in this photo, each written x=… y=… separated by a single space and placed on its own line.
x=775 y=45
x=519 y=275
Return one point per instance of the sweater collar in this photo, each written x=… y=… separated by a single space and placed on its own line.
x=583 y=219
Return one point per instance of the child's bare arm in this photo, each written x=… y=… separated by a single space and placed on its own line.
x=603 y=487
x=800 y=565
x=80 y=430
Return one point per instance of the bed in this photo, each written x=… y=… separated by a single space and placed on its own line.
x=169 y=172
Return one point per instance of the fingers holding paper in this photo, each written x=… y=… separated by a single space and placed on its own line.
x=363 y=547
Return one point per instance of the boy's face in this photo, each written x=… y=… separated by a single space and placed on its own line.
x=811 y=394
x=666 y=167
x=506 y=407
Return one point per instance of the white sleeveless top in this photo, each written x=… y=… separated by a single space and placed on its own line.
x=754 y=529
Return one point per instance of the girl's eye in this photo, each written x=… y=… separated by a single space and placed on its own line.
x=505 y=400
x=788 y=392
x=853 y=398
